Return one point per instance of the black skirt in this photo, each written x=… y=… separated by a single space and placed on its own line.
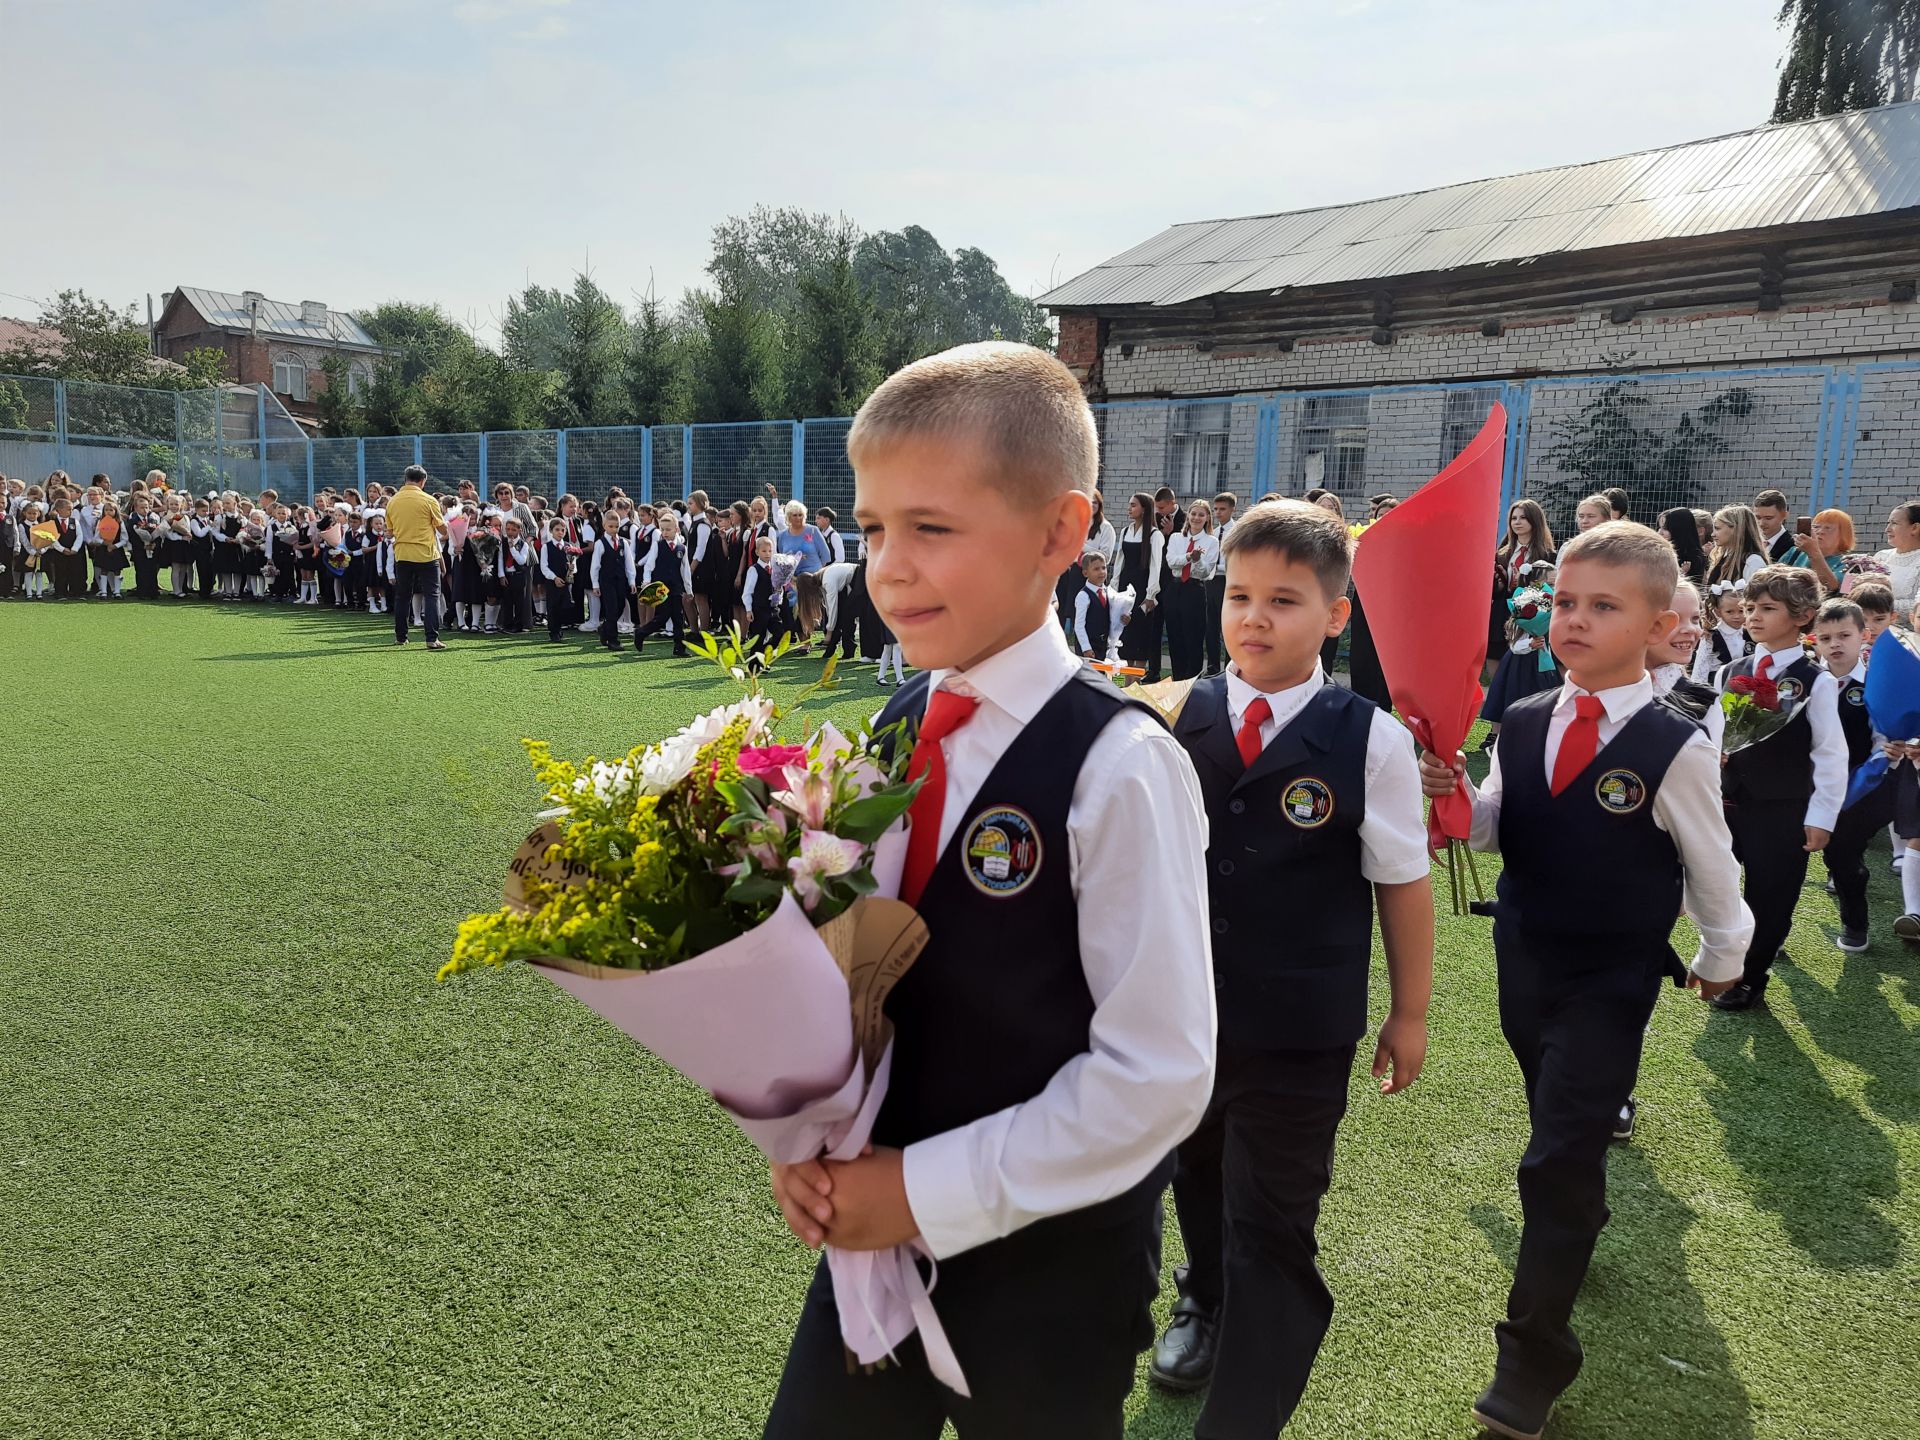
x=1518 y=677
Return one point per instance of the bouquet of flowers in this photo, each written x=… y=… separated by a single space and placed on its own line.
x=1754 y=711
x=1858 y=567
x=724 y=897
x=1532 y=609
x=783 y=567
x=654 y=594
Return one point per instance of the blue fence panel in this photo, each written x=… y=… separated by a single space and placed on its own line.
x=600 y=458
x=669 y=472
x=336 y=464
x=286 y=471
x=525 y=457
x=738 y=461
x=387 y=457
x=827 y=471
x=1877 y=449
x=450 y=459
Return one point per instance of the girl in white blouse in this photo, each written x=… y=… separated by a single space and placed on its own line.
x=1142 y=547
x=1192 y=557
x=1738 y=548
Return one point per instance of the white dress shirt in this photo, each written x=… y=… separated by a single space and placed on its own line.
x=1109 y=1115
x=1822 y=711
x=1687 y=806
x=1200 y=551
x=1393 y=836
x=1105 y=544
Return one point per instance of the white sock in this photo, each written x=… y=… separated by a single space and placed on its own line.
x=114 y=582
x=493 y=616
x=1910 y=885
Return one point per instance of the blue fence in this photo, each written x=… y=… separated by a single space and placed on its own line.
x=1827 y=435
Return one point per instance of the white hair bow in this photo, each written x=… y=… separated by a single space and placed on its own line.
x=1727 y=587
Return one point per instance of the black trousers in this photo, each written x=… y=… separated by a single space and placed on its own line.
x=615 y=599
x=514 y=601
x=1248 y=1192
x=1770 y=842
x=1186 y=605
x=203 y=567
x=1156 y=624
x=1216 y=601
x=1846 y=852
x=146 y=573
x=560 y=611
x=1046 y=1325
x=1575 y=1026
x=846 y=616
x=672 y=611
x=421 y=577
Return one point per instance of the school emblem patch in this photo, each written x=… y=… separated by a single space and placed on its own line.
x=1002 y=851
x=1308 y=803
x=1790 y=688
x=1854 y=693
x=1620 y=792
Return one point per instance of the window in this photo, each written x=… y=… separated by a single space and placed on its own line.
x=290 y=376
x=1330 y=445
x=359 y=378
x=1466 y=412
x=1197 y=437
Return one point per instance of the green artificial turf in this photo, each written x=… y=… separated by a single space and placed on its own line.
x=259 y=1176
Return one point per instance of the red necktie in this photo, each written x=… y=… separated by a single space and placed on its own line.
x=1258 y=713
x=1763 y=666
x=1102 y=593
x=946 y=713
x=1581 y=742
x=1186 y=571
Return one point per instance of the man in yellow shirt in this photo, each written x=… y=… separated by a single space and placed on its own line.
x=415 y=524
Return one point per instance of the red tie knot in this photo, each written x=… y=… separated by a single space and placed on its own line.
x=1763 y=666
x=946 y=713
x=1258 y=713
x=1589 y=707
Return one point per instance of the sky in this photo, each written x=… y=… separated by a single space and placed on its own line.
x=355 y=151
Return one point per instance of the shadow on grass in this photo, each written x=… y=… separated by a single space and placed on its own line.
x=1855 y=1022
x=1810 y=1157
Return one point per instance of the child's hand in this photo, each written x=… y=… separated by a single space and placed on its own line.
x=1817 y=838
x=870 y=1210
x=1710 y=988
x=1438 y=778
x=1402 y=1049
x=801 y=1193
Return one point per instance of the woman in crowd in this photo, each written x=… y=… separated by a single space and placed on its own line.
x=1832 y=542
x=1683 y=533
x=1902 y=556
x=804 y=540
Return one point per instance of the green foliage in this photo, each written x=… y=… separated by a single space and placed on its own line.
x=1846 y=55
x=840 y=364
x=341 y=413
x=13 y=405
x=653 y=365
x=1611 y=441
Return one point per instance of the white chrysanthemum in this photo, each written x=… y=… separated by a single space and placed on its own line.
x=668 y=763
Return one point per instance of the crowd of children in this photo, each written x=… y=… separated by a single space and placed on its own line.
x=1044 y=1096
x=508 y=564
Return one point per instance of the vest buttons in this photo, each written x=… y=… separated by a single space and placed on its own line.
x=1236 y=807
x=1226 y=867
x=1219 y=925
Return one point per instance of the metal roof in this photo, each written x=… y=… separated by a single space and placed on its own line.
x=228 y=311
x=1837 y=167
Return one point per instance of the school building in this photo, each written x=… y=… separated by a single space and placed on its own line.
x=1692 y=323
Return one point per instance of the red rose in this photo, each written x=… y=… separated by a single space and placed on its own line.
x=1526 y=612
x=1766 y=694
x=1740 y=685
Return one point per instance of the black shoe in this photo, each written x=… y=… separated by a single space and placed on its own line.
x=1623 y=1123
x=1183 y=1360
x=1482 y=908
x=1851 y=941
x=680 y=652
x=1513 y=1416
x=1740 y=997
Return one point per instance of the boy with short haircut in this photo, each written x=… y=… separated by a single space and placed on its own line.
x=1038 y=1088
x=1783 y=795
x=1224 y=505
x=1770 y=509
x=1599 y=770
x=1313 y=812
x=1840 y=631
x=1875 y=599
x=1099 y=614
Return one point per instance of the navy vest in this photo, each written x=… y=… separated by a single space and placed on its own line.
x=1292 y=915
x=763 y=604
x=1781 y=766
x=1551 y=846
x=666 y=565
x=1722 y=651
x=1854 y=723
x=998 y=1001
x=1099 y=622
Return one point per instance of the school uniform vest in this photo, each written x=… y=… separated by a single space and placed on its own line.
x=1780 y=767
x=613 y=563
x=1552 y=846
x=1854 y=722
x=763 y=603
x=998 y=1002
x=1099 y=622
x=558 y=560
x=1134 y=555
x=1722 y=651
x=666 y=566
x=1291 y=913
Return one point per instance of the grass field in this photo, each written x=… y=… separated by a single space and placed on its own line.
x=259 y=1176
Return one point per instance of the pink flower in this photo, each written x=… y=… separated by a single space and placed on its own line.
x=821 y=857
x=766 y=761
x=807 y=795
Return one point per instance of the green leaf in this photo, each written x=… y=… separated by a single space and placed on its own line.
x=751 y=889
x=739 y=794
x=867 y=819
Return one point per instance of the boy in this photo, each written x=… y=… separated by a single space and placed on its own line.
x=1770 y=509
x=1038 y=1087
x=611 y=574
x=1840 y=630
x=1274 y=742
x=764 y=602
x=1223 y=508
x=556 y=568
x=1098 y=613
x=1782 y=796
x=1599 y=770
x=666 y=562
x=1875 y=599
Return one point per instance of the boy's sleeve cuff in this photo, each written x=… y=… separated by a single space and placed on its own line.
x=938 y=1175
x=1717 y=968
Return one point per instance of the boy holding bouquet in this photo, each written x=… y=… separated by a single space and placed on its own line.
x=1313 y=812
x=1593 y=778
x=1054 y=1040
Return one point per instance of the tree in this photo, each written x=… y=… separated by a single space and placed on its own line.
x=340 y=411
x=415 y=337
x=391 y=406
x=1610 y=441
x=834 y=366
x=592 y=349
x=534 y=334
x=13 y=406
x=1846 y=55
x=653 y=364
